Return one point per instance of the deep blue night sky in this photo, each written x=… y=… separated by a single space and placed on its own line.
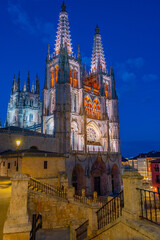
x=131 y=39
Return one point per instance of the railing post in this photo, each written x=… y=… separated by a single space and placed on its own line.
x=93 y=224
x=17 y=225
x=131 y=181
x=70 y=193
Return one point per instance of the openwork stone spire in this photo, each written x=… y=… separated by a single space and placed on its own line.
x=98 y=53
x=63 y=32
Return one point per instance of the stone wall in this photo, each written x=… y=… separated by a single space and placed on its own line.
x=56 y=212
x=123 y=229
x=43 y=142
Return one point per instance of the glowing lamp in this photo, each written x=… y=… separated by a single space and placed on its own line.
x=18 y=142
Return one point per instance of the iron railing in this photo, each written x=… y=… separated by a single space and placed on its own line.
x=81 y=231
x=47 y=189
x=36 y=225
x=86 y=200
x=150 y=205
x=110 y=211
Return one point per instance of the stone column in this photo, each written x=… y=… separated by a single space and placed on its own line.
x=17 y=225
x=131 y=181
x=71 y=193
x=93 y=225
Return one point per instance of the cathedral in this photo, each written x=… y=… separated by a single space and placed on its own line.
x=78 y=109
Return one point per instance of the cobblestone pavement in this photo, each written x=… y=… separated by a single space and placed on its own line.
x=54 y=234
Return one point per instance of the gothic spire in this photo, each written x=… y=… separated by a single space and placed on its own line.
x=28 y=83
x=37 y=85
x=13 y=85
x=63 y=31
x=18 y=83
x=98 y=53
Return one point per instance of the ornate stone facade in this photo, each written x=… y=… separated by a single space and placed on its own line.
x=79 y=111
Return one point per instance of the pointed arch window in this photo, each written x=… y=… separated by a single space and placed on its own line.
x=75 y=78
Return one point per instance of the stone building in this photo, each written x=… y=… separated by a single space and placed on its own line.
x=25 y=106
x=79 y=112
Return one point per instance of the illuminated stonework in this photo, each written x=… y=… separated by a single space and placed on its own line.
x=63 y=32
x=79 y=110
x=98 y=60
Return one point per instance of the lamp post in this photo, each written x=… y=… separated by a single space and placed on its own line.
x=18 y=142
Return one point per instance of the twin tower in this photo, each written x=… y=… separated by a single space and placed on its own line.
x=79 y=109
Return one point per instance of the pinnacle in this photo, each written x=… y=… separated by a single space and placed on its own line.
x=97 y=29
x=63 y=7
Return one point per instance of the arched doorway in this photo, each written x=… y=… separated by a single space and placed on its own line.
x=78 y=179
x=99 y=179
x=115 y=177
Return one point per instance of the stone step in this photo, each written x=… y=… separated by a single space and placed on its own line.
x=53 y=234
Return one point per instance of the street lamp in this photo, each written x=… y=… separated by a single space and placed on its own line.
x=18 y=142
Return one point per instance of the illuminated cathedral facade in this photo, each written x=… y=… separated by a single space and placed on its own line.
x=79 y=109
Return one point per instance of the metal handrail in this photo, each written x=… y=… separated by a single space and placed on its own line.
x=36 y=185
x=150 y=205
x=110 y=211
x=81 y=231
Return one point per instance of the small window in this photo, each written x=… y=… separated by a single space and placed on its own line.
x=31 y=117
x=45 y=164
x=3 y=164
x=15 y=163
x=9 y=165
x=157 y=179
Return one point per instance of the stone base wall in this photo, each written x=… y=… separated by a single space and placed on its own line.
x=16 y=236
x=124 y=229
x=56 y=212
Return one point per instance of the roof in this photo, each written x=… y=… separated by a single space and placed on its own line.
x=34 y=152
x=147 y=155
x=24 y=131
x=156 y=161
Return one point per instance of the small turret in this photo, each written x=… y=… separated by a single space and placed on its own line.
x=24 y=88
x=18 y=83
x=48 y=53
x=114 y=93
x=85 y=71
x=37 y=85
x=32 y=90
x=79 y=55
x=28 y=83
x=13 y=85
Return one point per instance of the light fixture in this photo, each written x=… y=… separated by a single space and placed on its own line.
x=18 y=142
